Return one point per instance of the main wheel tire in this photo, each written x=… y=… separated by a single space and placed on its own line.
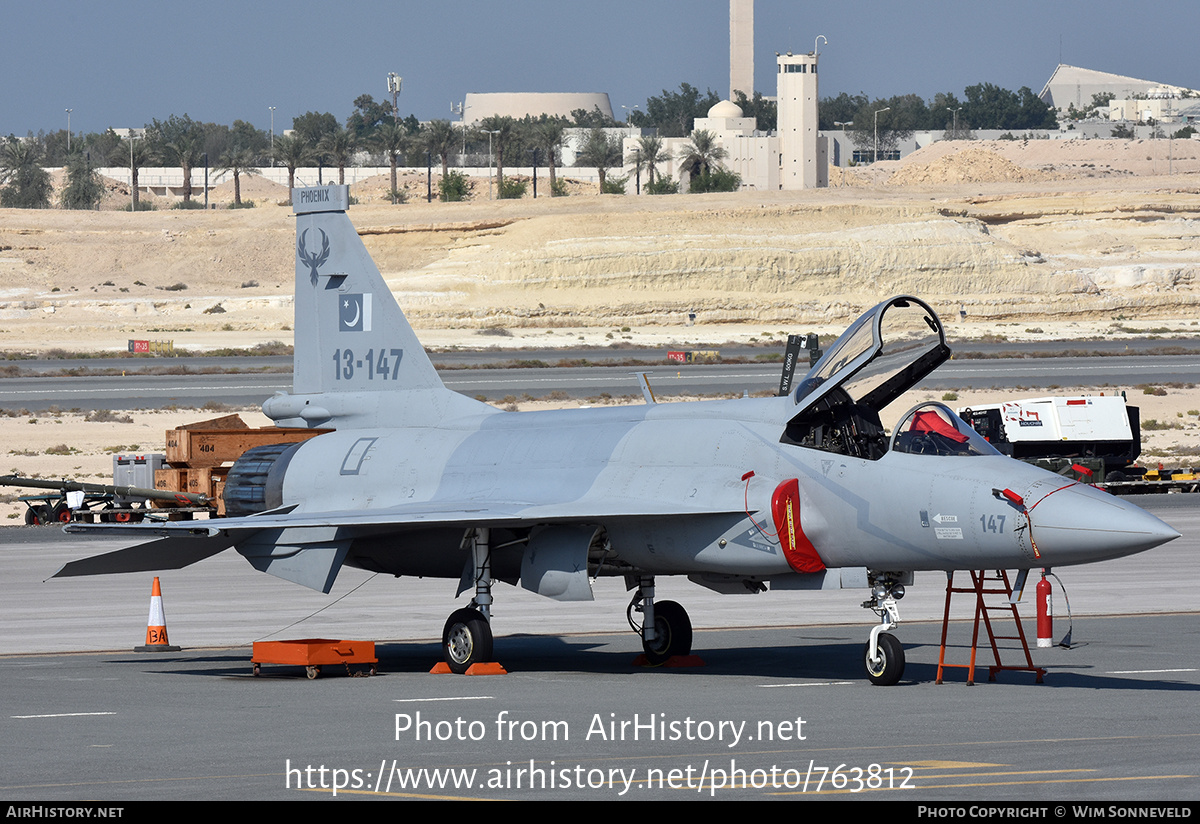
x=672 y=633
x=889 y=667
x=31 y=518
x=466 y=640
x=61 y=513
x=45 y=515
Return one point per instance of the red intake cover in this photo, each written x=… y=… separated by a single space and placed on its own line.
x=785 y=508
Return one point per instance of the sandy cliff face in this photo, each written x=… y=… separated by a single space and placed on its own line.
x=1053 y=243
x=1029 y=257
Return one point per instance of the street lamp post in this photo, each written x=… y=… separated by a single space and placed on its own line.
x=132 y=175
x=875 y=157
x=954 y=134
x=272 y=108
x=535 y=152
x=394 y=82
x=491 y=165
x=457 y=108
x=69 y=130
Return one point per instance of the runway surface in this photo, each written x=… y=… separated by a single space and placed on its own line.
x=780 y=703
x=135 y=391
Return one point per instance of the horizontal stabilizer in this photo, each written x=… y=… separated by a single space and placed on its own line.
x=161 y=554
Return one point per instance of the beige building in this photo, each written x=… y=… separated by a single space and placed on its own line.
x=795 y=156
x=803 y=153
x=741 y=48
x=1133 y=99
x=517 y=105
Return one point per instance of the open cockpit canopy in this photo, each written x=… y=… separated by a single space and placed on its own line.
x=879 y=357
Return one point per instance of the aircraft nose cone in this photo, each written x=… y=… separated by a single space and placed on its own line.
x=1080 y=524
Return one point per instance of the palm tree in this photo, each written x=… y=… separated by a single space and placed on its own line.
x=185 y=152
x=504 y=128
x=653 y=153
x=391 y=139
x=239 y=161
x=701 y=153
x=600 y=151
x=139 y=155
x=28 y=183
x=441 y=138
x=339 y=146
x=293 y=152
x=548 y=135
x=178 y=141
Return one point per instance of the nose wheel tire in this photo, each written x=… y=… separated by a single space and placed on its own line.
x=672 y=633
x=888 y=668
x=466 y=640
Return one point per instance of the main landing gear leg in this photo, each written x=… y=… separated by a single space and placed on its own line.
x=467 y=636
x=666 y=629
x=883 y=654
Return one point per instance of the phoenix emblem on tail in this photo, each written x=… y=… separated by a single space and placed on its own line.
x=315 y=260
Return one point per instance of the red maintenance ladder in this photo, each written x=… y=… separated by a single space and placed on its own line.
x=984 y=584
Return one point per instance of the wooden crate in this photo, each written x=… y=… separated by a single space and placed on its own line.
x=196 y=448
x=170 y=479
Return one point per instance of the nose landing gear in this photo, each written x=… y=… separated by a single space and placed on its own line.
x=883 y=653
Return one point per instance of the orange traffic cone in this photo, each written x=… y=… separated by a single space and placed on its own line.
x=156 y=626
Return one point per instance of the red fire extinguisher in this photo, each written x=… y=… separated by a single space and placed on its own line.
x=1045 y=613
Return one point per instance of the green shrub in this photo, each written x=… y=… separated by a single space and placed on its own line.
x=83 y=189
x=188 y=204
x=453 y=188
x=510 y=189
x=558 y=188
x=717 y=180
x=614 y=186
x=245 y=204
x=661 y=186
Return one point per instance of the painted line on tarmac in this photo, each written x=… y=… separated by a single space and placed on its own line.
x=812 y=684
x=62 y=715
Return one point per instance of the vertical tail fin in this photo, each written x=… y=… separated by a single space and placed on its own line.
x=350 y=333
x=357 y=361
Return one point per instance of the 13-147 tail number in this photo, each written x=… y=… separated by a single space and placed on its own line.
x=385 y=365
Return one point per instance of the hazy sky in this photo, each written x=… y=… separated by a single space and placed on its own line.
x=124 y=63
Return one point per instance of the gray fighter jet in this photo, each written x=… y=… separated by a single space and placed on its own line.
x=804 y=491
